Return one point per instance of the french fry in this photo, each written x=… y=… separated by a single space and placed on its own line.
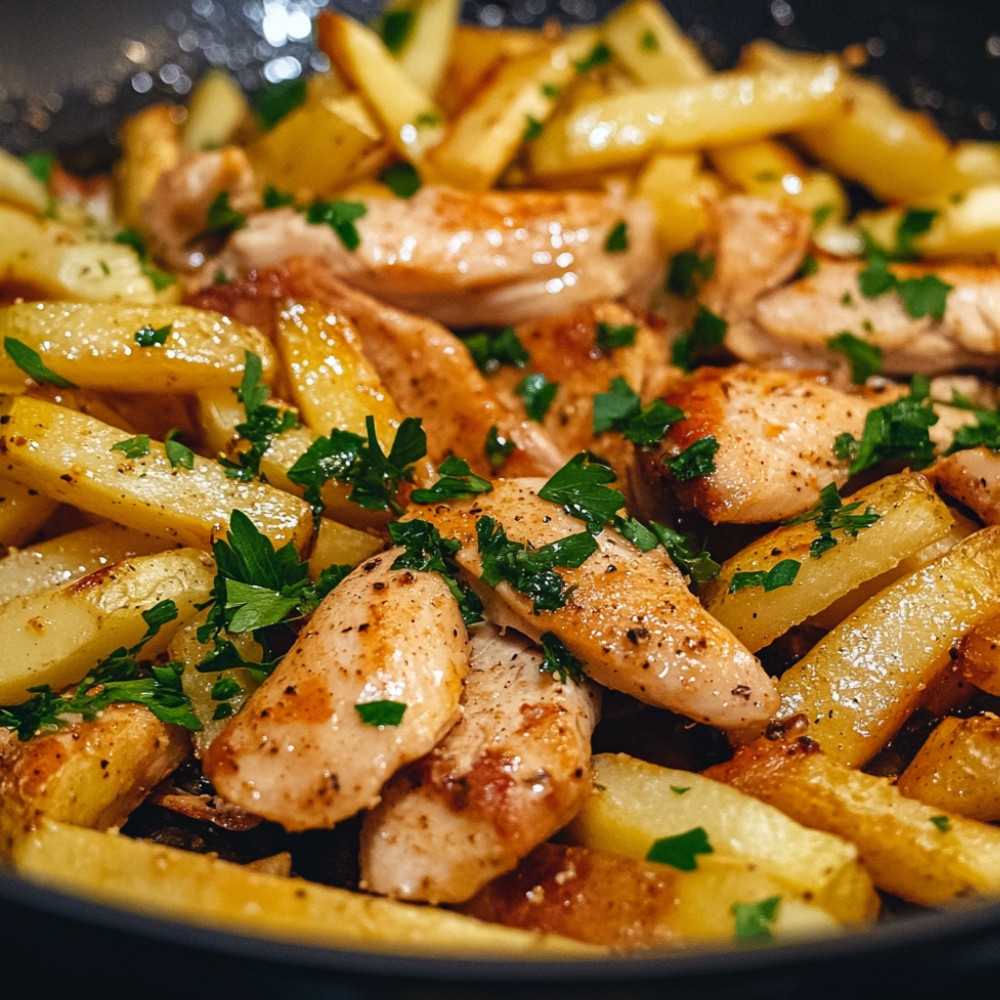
x=913 y=850
x=23 y=512
x=410 y=118
x=216 y=109
x=202 y=890
x=92 y=773
x=71 y=555
x=734 y=106
x=425 y=49
x=956 y=767
x=97 y=346
x=864 y=678
x=635 y=803
x=56 y=260
x=69 y=456
x=910 y=517
x=56 y=635
x=650 y=44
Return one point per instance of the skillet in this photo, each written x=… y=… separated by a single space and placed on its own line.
x=65 y=80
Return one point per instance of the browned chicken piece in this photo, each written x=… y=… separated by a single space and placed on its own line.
x=792 y=325
x=775 y=432
x=512 y=772
x=467 y=258
x=628 y=615
x=176 y=215
x=303 y=752
x=567 y=350
x=429 y=373
x=972 y=477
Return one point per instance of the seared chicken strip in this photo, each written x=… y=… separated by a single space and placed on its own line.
x=628 y=615
x=466 y=258
x=301 y=752
x=511 y=773
x=775 y=432
x=972 y=477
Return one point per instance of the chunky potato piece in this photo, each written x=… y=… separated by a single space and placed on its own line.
x=635 y=803
x=625 y=903
x=56 y=635
x=864 y=678
x=92 y=773
x=202 y=890
x=23 y=511
x=956 y=769
x=910 y=517
x=915 y=851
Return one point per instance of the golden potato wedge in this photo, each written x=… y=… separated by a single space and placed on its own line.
x=19 y=187
x=910 y=517
x=71 y=555
x=627 y=903
x=978 y=654
x=100 y=346
x=859 y=683
x=424 y=51
x=913 y=850
x=91 y=773
x=634 y=803
x=23 y=511
x=57 y=260
x=202 y=890
x=67 y=455
x=734 y=106
x=645 y=38
x=338 y=544
x=956 y=768
x=56 y=635
x=215 y=110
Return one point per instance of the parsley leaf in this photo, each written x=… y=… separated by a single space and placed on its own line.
x=492 y=349
x=831 y=514
x=620 y=409
x=617 y=238
x=531 y=571
x=752 y=921
x=580 y=487
x=381 y=713
x=943 y=823
x=157 y=278
x=538 y=394
x=178 y=455
x=133 y=447
x=533 y=128
x=707 y=333
x=457 y=480
x=401 y=178
x=896 y=430
x=599 y=55
x=29 y=361
x=692 y=560
x=687 y=271
x=40 y=165
x=985 y=432
x=698 y=459
x=781 y=574
x=923 y=296
x=271 y=103
x=681 y=850
x=221 y=218
x=864 y=358
x=148 y=336
x=612 y=335
x=558 y=660
x=497 y=448
x=340 y=216
x=394 y=28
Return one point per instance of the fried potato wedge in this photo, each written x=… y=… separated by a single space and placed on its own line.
x=635 y=803
x=913 y=850
x=101 y=346
x=91 y=773
x=625 y=903
x=70 y=456
x=56 y=635
x=202 y=890
x=910 y=517
x=956 y=768
x=23 y=511
x=864 y=678
x=424 y=51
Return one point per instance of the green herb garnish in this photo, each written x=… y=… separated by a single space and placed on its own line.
x=179 y=456
x=687 y=272
x=698 y=459
x=401 y=178
x=148 y=336
x=580 y=488
x=340 y=216
x=381 y=713
x=617 y=238
x=608 y=336
x=752 y=921
x=831 y=514
x=492 y=349
x=133 y=447
x=538 y=394
x=221 y=218
x=29 y=361
x=781 y=574
x=681 y=850
x=706 y=334
x=271 y=103
x=864 y=358
x=456 y=480
x=558 y=660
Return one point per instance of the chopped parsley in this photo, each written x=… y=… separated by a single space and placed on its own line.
x=538 y=394
x=401 y=178
x=621 y=409
x=533 y=128
x=648 y=42
x=381 y=713
x=133 y=447
x=221 y=219
x=681 y=850
x=340 y=216
x=273 y=197
x=580 y=488
x=923 y=296
x=375 y=477
x=617 y=238
x=149 y=336
x=698 y=459
x=831 y=514
x=781 y=574
x=943 y=823
x=897 y=430
x=30 y=362
x=456 y=480
x=394 y=28
x=492 y=349
x=497 y=447
x=864 y=358
x=752 y=921
x=608 y=336
x=271 y=103
x=157 y=278
x=687 y=272
x=180 y=456
x=706 y=334
x=599 y=55
x=692 y=560
x=985 y=432
x=531 y=571
x=915 y=222
x=558 y=660
x=40 y=165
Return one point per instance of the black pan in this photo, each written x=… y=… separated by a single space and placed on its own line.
x=68 y=72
